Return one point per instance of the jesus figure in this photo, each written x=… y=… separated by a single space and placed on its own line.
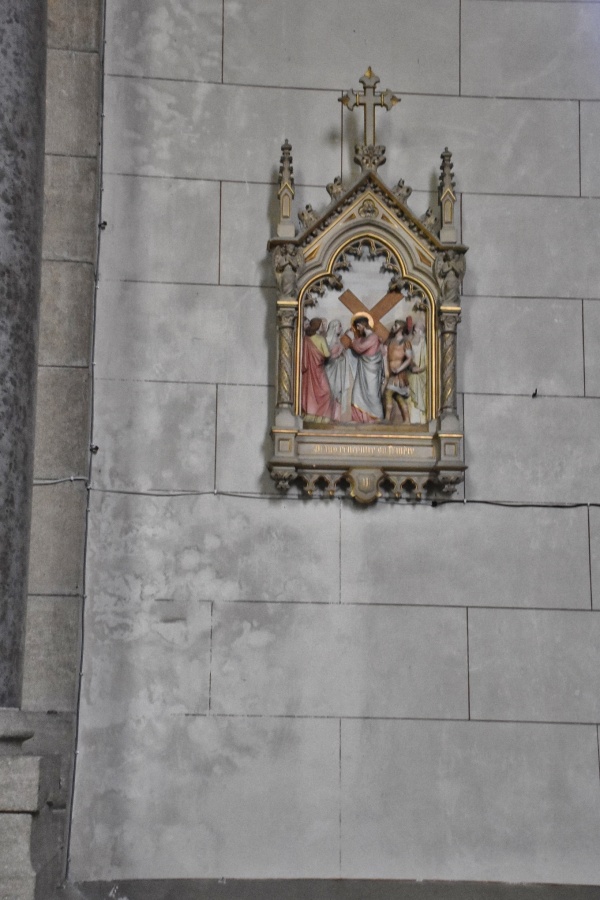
x=366 y=391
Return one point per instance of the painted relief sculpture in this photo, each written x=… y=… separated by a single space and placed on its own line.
x=367 y=312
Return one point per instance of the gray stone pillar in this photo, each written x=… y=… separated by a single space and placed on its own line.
x=22 y=89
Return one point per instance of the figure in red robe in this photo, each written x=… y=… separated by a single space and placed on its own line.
x=317 y=402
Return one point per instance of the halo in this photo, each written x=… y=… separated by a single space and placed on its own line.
x=364 y=315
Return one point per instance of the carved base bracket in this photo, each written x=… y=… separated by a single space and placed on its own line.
x=368 y=485
x=408 y=467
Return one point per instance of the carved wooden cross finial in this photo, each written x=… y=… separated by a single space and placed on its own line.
x=369 y=99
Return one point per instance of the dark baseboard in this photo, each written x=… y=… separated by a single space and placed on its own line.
x=329 y=889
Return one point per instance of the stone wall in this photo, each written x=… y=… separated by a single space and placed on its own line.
x=306 y=689
x=61 y=461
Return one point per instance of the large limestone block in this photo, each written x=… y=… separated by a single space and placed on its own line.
x=215 y=131
x=66 y=306
x=52 y=736
x=199 y=797
x=530 y=49
x=244 y=442
x=18 y=888
x=62 y=422
x=47 y=842
x=57 y=539
x=51 y=669
x=186 y=333
x=26 y=782
x=143 y=657
x=160 y=229
x=591 y=325
x=72 y=97
x=534 y=665
x=70 y=209
x=509 y=346
x=180 y=40
x=512 y=133
x=336 y=660
x=15 y=841
x=465 y=555
x=595 y=555
x=244 y=257
x=590 y=136
x=542 y=449
x=518 y=245
x=212 y=548
x=470 y=801
x=313 y=45
x=154 y=435
x=74 y=24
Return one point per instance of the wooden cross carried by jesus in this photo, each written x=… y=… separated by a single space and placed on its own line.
x=380 y=309
x=369 y=99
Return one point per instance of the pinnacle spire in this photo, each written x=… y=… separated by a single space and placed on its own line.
x=447 y=199
x=446 y=174
x=285 y=226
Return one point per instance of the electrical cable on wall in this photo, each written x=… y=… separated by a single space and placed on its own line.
x=249 y=495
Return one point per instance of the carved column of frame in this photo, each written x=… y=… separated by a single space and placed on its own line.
x=286 y=320
x=449 y=320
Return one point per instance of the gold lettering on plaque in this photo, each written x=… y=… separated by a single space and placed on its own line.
x=359 y=450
